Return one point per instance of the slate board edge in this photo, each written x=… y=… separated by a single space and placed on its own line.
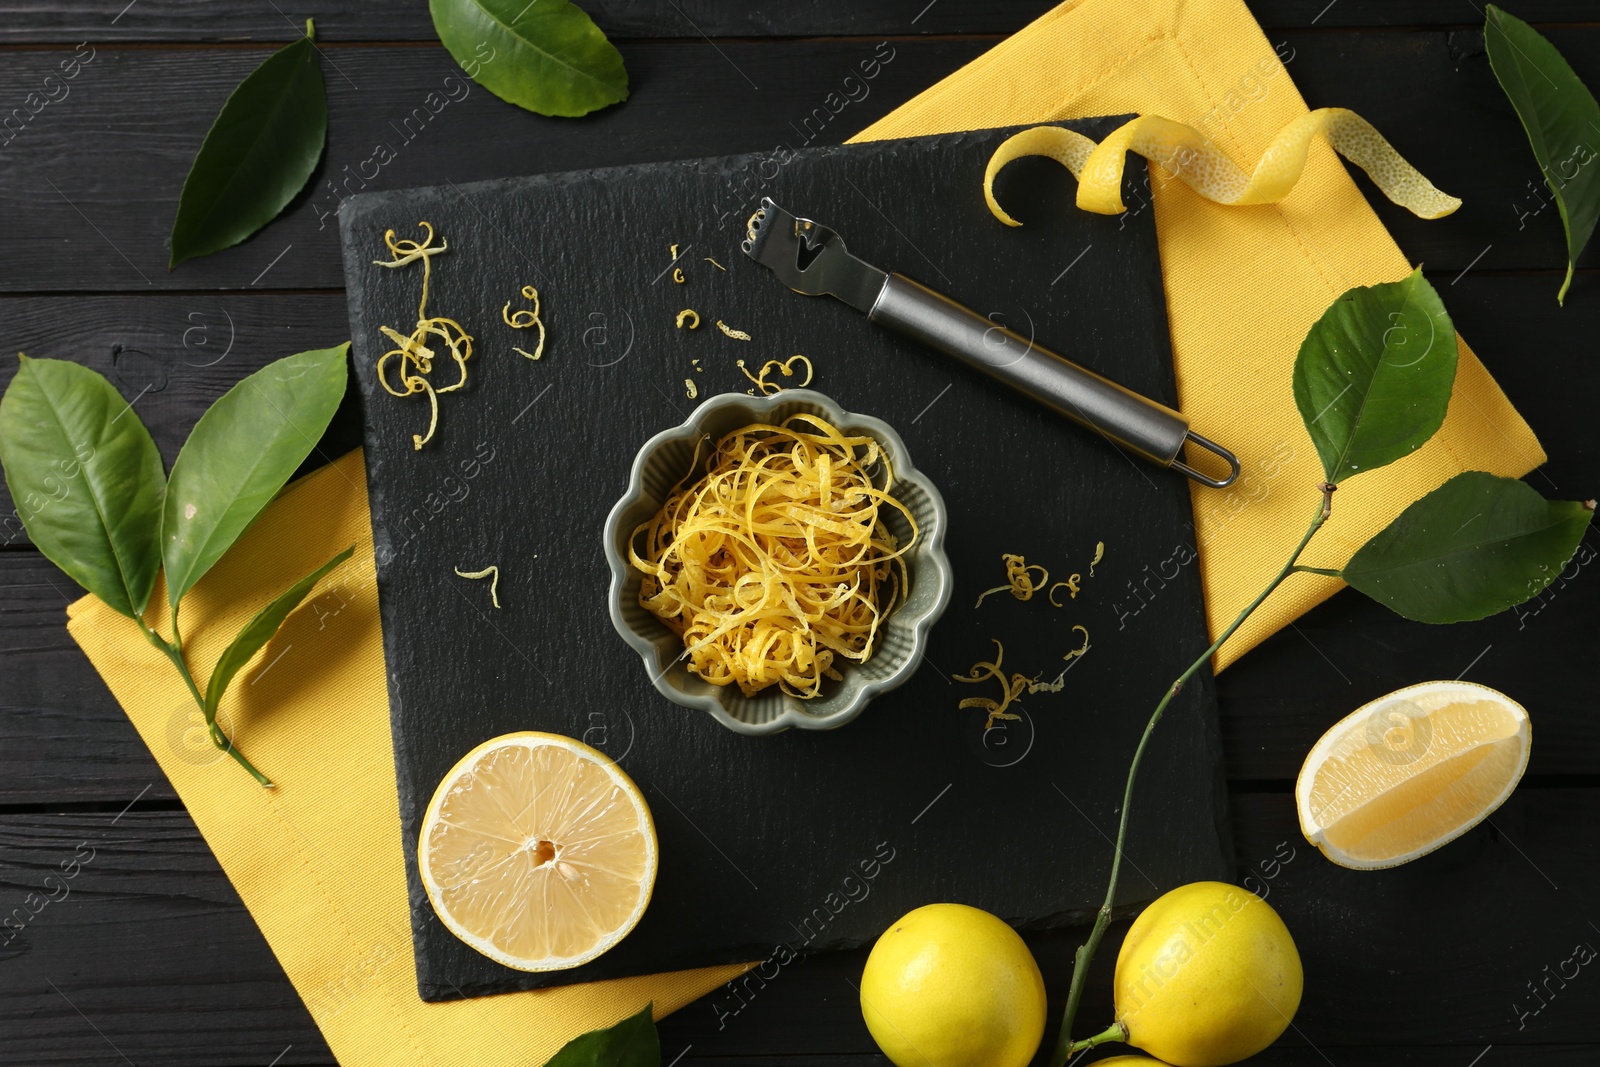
x=352 y=220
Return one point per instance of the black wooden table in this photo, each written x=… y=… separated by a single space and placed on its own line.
x=1469 y=956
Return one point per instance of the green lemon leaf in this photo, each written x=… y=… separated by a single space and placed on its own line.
x=259 y=630
x=1562 y=120
x=1373 y=377
x=631 y=1043
x=259 y=153
x=1476 y=545
x=548 y=56
x=86 y=479
x=240 y=453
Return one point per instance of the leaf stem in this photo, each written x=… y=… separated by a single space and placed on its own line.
x=174 y=652
x=1086 y=951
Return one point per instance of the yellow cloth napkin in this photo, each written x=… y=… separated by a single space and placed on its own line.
x=1243 y=284
x=318 y=860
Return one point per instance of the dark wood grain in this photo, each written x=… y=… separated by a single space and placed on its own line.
x=90 y=183
x=163 y=21
x=152 y=945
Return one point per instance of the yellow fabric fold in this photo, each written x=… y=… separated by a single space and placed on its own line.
x=1244 y=284
x=318 y=860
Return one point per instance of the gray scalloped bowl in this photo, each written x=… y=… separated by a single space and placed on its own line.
x=658 y=468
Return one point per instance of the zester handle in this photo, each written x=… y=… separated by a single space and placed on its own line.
x=1134 y=422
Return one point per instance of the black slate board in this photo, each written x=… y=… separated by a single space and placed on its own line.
x=789 y=844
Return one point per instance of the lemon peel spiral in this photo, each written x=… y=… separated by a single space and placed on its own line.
x=1190 y=156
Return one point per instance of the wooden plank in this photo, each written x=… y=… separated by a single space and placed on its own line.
x=162 y=21
x=77 y=222
x=172 y=355
x=414 y=120
x=62 y=735
x=149 y=942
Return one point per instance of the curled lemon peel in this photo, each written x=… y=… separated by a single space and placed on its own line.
x=776 y=561
x=523 y=319
x=1019 y=579
x=1187 y=154
x=492 y=573
x=1014 y=686
x=737 y=335
x=677 y=275
x=415 y=357
x=1071 y=586
x=1010 y=688
x=785 y=366
x=689 y=315
x=690 y=388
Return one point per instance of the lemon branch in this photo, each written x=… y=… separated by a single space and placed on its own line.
x=1065 y=1046
x=173 y=650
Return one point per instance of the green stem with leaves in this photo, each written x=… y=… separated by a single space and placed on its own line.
x=173 y=650
x=1065 y=1046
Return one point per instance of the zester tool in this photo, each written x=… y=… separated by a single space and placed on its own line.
x=812 y=259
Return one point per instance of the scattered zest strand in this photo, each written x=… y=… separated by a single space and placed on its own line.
x=1187 y=154
x=1019 y=579
x=786 y=366
x=677 y=275
x=776 y=561
x=1071 y=586
x=1099 y=554
x=1013 y=687
x=1010 y=689
x=523 y=319
x=692 y=389
x=415 y=357
x=691 y=316
x=737 y=335
x=493 y=574
x=717 y=265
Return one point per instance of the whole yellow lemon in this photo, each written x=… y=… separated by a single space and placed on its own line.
x=1208 y=975
x=953 y=986
x=1129 y=1061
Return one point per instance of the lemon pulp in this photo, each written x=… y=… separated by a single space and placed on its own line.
x=538 y=851
x=1411 y=771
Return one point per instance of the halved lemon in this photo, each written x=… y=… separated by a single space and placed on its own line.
x=1410 y=772
x=538 y=851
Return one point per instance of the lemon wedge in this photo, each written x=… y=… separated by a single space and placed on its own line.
x=538 y=851
x=1410 y=772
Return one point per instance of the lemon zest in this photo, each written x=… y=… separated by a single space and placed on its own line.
x=1071 y=585
x=492 y=573
x=786 y=366
x=673 y=252
x=689 y=314
x=1099 y=554
x=1010 y=689
x=677 y=275
x=737 y=335
x=1019 y=579
x=717 y=265
x=692 y=389
x=776 y=562
x=523 y=319
x=415 y=357
x=1187 y=154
